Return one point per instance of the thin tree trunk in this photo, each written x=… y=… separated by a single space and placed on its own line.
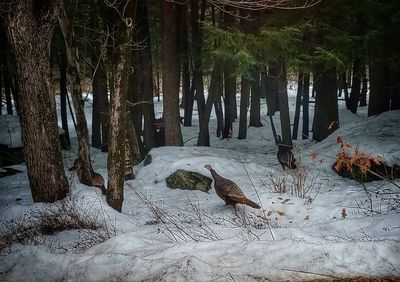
x=85 y=166
x=215 y=92
x=300 y=90
x=63 y=95
x=326 y=119
x=220 y=117
x=364 y=88
x=271 y=90
x=255 y=104
x=170 y=74
x=100 y=103
x=284 y=105
x=42 y=150
x=7 y=90
x=244 y=105
x=355 y=87
x=306 y=98
x=197 y=40
x=393 y=87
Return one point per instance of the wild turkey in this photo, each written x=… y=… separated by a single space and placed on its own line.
x=229 y=191
x=97 y=179
x=285 y=155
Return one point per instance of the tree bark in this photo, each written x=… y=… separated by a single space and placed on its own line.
x=354 y=99
x=300 y=85
x=63 y=95
x=271 y=89
x=306 y=98
x=378 y=101
x=85 y=165
x=100 y=103
x=364 y=88
x=121 y=67
x=42 y=151
x=197 y=40
x=326 y=119
x=244 y=105
x=214 y=94
x=255 y=115
x=170 y=74
x=284 y=105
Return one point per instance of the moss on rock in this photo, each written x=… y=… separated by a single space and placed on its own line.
x=188 y=180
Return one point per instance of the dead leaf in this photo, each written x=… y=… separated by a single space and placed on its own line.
x=343 y=213
x=269 y=213
x=281 y=213
x=307 y=217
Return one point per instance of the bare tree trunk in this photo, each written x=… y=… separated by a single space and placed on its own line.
x=271 y=90
x=100 y=103
x=244 y=105
x=306 y=98
x=378 y=101
x=121 y=67
x=63 y=95
x=197 y=40
x=170 y=74
x=364 y=87
x=355 y=87
x=300 y=85
x=255 y=115
x=284 y=105
x=25 y=22
x=214 y=94
x=85 y=166
x=326 y=118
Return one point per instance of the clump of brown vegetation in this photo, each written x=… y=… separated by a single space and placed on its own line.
x=362 y=167
x=35 y=226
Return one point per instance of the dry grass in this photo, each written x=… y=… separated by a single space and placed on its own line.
x=36 y=226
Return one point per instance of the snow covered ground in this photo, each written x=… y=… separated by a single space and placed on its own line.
x=340 y=229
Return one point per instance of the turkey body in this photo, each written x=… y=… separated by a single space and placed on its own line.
x=285 y=155
x=228 y=191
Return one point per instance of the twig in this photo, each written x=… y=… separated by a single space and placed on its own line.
x=309 y=272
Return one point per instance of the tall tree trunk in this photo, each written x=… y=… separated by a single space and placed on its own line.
x=271 y=89
x=186 y=92
x=355 y=87
x=1 y=85
x=300 y=90
x=24 y=22
x=364 y=88
x=284 y=104
x=378 y=101
x=214 y=94
x=244 y=105
x=85 y=165
x=197 y=40
x=100 y=103
x=63 y=95
x=306 y=98
x=143 y=35
x=255 y=104
x=220 y=116
x=7 y=87
x=121 y=67
x=326 y=119
x=170 y=74
x=99 y=81
x=393 y=87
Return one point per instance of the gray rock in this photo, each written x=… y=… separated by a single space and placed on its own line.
x=188 y=180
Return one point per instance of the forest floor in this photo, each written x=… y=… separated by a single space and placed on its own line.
x=321 y=227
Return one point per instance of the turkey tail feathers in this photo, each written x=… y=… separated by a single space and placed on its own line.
x=251 y=203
